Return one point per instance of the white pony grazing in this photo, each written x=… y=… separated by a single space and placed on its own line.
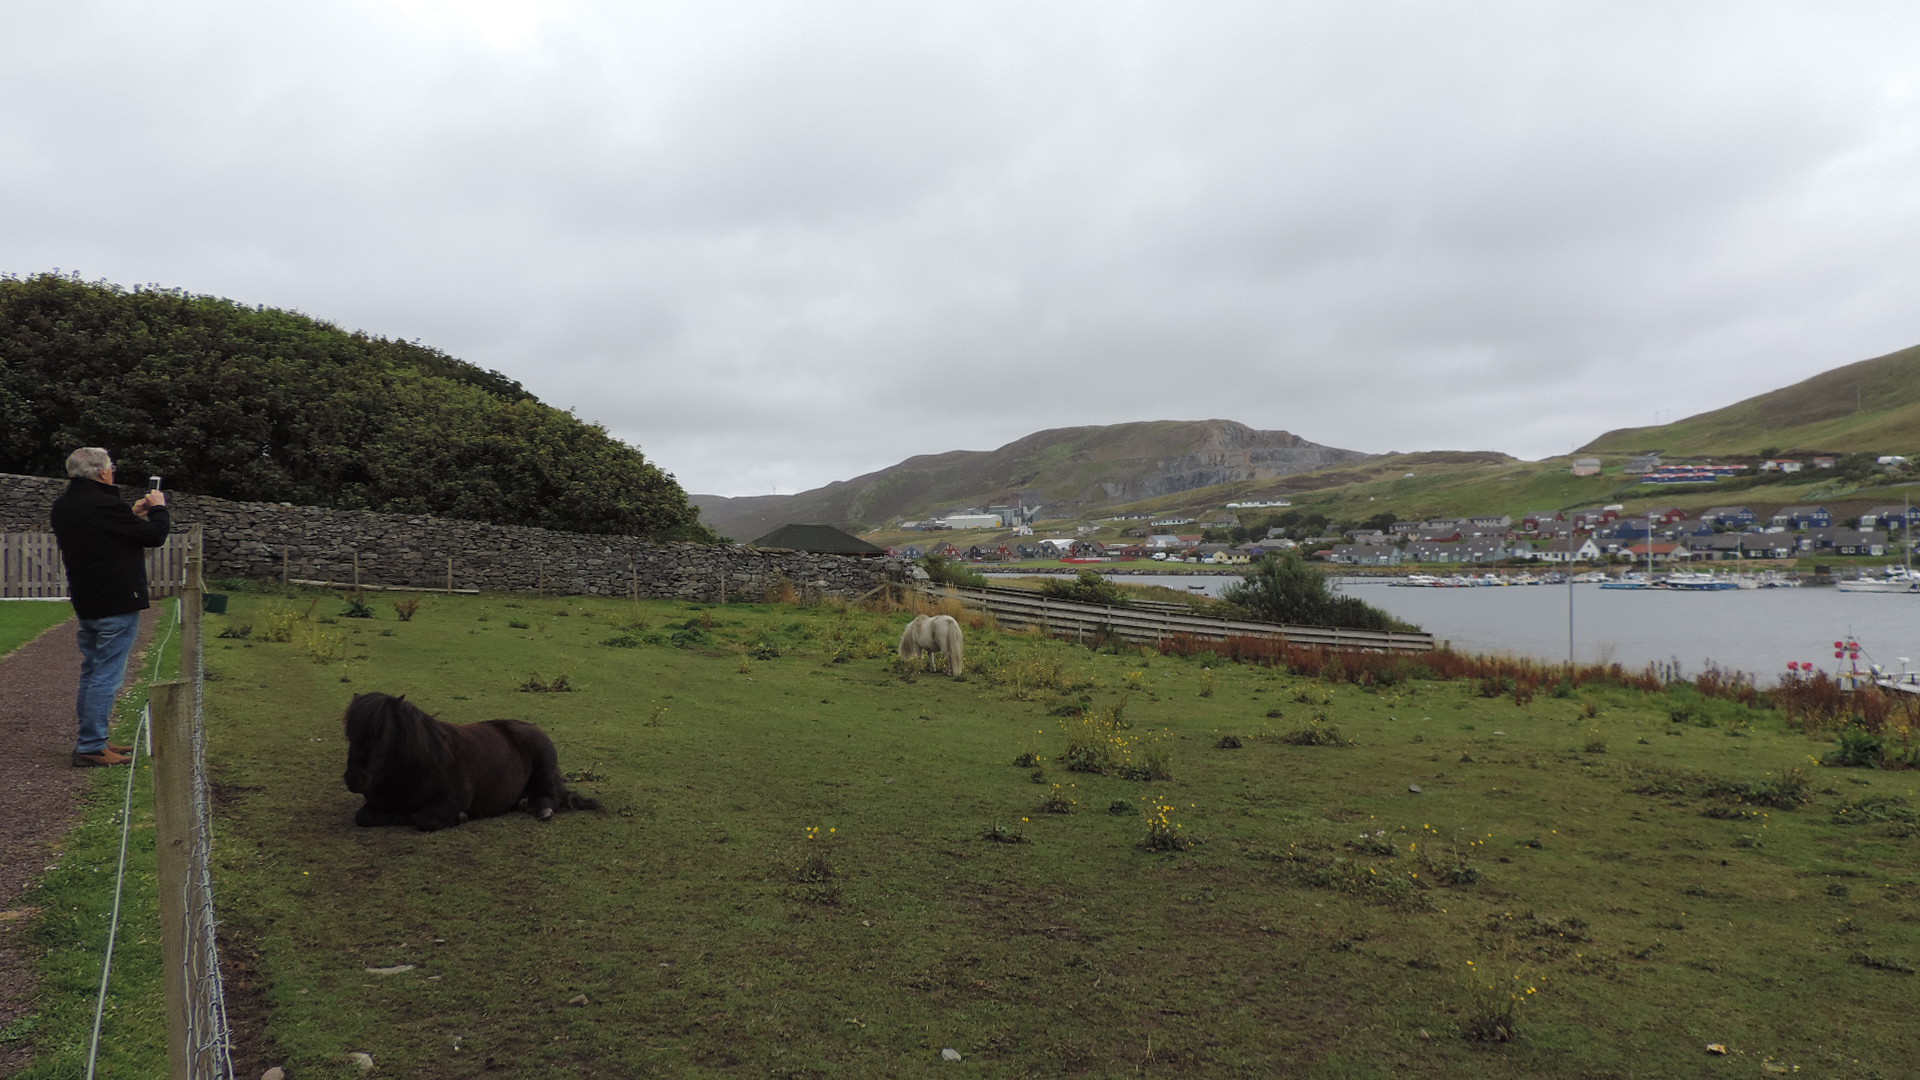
x=934 y=634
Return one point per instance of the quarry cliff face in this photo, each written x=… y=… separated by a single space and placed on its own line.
x=1224 y=453
x=1205 y=470
x=1081 y=468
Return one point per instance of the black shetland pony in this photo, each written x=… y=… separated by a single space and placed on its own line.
x=415 y=770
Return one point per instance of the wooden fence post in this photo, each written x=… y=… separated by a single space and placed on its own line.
x=173 y=833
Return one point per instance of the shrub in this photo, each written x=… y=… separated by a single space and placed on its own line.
x=1101 y=741
x=1857 y=749
x=1032 y=677
x=783 y=592
x=1287 y=589
x=1317 y=733
x=1875 y=808
x=279 y=624
x=1788 y=791
x=1164 y=833
x=1058 y=801
x=816 y=874
x=944 y=571
x=1087 y=587
x=321 y=646
x=1493 y=1005
x=1001 y=834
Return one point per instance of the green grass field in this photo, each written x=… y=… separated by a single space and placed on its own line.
x=23 y=620
x=813 y=863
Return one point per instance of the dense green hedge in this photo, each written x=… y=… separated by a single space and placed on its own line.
x=264 y=405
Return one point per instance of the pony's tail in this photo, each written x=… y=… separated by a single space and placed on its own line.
x=573 y=800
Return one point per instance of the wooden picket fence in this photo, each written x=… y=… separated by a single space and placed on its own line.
x=30 y=567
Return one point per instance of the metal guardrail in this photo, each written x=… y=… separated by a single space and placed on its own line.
x=1151 y=623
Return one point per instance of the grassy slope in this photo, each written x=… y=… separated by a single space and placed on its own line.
x=1063 y=465
x=1872 y=406
x=21 y=621
x=1274 y=947
x=1454 y=489
x=1522 y=487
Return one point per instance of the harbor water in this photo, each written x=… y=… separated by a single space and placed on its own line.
x=1756 y=631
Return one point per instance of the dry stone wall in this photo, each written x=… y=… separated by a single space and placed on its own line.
x=267 y=540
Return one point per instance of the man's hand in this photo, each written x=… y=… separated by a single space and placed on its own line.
x=148 y=501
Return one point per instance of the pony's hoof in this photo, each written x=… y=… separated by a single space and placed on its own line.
x=545 y=814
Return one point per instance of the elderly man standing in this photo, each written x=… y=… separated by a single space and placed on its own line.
x=104 y=543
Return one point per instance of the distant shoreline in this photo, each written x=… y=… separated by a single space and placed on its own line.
x=1107 y=570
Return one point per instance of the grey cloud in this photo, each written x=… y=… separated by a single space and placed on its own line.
x=777 y=245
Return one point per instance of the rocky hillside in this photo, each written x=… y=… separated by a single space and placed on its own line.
x=1067 y=470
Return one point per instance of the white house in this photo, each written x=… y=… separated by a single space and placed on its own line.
x=1565 y=551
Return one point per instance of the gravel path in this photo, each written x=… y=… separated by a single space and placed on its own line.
x=39 y=794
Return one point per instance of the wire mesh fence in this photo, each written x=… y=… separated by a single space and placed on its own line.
x=198 y=1030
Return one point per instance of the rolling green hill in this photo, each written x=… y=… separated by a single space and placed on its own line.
x=1067 y=470
x=1872 y=406
x=1869 y=407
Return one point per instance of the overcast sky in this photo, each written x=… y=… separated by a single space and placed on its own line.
x=779 y=244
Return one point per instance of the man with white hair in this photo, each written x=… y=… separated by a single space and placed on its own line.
x=104 y=542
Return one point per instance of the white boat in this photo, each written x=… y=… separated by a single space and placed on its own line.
x=1896 y=579
x=1888 y=585
x=1699 y=581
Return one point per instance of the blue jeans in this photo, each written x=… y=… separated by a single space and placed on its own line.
x=104 y=645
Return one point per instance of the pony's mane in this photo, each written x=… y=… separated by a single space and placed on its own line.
x=405 y=730
x=910 y=638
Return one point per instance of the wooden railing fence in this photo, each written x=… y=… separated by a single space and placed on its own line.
x=1148 y=623
x=30 y=566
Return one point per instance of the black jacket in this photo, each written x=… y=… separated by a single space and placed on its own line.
x=103 y=542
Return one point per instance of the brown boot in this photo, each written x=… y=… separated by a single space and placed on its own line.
x=116 y=748
x=104 y=757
